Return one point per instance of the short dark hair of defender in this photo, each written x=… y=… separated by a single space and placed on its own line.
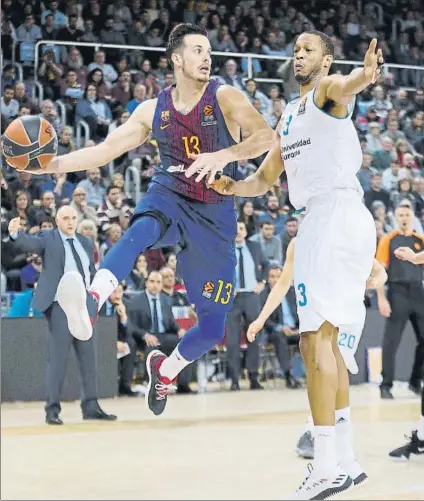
x=176 y=38
x=326 y=42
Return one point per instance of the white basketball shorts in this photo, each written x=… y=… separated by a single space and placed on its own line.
x=335 y=248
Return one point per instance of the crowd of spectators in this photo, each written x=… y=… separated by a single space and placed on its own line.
x=103 y=87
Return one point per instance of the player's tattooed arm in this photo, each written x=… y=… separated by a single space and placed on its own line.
x=237 y=110
x=341 y=89
x=125 y=138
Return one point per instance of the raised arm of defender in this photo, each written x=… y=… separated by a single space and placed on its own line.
x=125 y=138
x=342 y=88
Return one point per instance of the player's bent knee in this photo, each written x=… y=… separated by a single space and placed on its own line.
x=214 y=325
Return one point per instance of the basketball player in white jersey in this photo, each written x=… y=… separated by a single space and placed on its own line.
x=320 y=151
x=348 y=338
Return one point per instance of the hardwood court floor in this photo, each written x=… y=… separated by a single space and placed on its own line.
x=211 y=446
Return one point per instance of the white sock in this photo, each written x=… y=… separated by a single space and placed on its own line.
x=104 y=283
x=325 y=460
x=309 y=426
x=173 y=365
x=421 y=428
x=344 y=443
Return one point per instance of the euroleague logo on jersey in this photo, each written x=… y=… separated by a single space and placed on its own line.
x=208 y=117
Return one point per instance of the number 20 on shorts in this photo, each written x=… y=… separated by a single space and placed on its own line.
x=302 y=299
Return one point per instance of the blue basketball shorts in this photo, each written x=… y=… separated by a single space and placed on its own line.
x=206 y=234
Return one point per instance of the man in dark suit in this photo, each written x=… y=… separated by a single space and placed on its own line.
x=281 y=324
x=152 y=324
x=251 y=273
x=117 y=305
x=63 y=250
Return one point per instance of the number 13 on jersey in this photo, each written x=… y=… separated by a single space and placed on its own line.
x=191 y=145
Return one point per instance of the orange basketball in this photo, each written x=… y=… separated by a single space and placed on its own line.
x=30 y=142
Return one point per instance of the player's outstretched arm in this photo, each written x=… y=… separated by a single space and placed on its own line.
x=258 y=183
x=341 y=89
x=407 y=254
x=259 y=136
x=125 y=138
x=278 y=292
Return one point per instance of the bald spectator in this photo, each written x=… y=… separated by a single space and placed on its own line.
x=384 y=157
x=140 y=93
x=83 y=210
x=231 y=76
x=22 y=98
x=49 y=113
x=93 y=187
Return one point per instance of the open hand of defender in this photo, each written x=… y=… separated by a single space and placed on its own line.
x=207 y=164
x=373 y=61
x=224 y=185
x=254 y=328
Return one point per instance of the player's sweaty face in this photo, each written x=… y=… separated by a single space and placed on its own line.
x=308 y=58
x=197 y=58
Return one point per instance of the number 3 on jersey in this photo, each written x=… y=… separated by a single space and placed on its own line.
x=191 y=145
x=288 y=122
x=302 y=299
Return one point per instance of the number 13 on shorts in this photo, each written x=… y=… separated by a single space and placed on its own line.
x=302 y=299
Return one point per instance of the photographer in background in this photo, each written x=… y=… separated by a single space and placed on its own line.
x=50 y=74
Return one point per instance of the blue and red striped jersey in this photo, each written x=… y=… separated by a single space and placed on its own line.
x=203 y=130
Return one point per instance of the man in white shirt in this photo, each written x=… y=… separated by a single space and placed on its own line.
x=63 y=250
x=392 y=176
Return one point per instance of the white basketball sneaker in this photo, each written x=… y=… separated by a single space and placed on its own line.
x=355 y=472
x=316 y=486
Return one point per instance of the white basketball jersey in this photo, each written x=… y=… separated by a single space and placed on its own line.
x=321 y=153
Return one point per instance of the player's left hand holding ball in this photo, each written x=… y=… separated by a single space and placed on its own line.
x=207 y=164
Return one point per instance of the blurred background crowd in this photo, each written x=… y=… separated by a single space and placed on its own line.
x=85 y=91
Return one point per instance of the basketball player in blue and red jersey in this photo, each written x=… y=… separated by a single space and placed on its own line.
x=197 y=124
